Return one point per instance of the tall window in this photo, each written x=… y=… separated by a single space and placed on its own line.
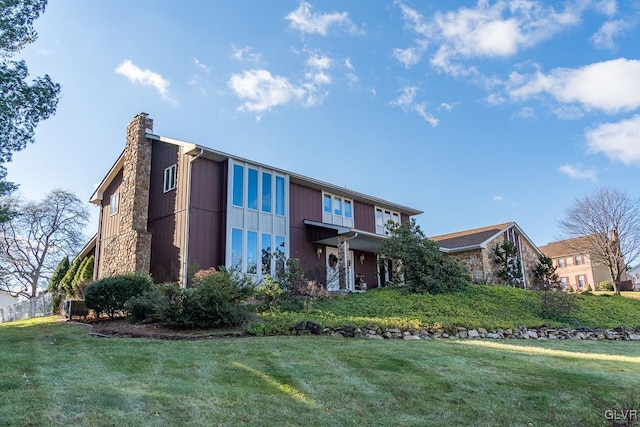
x=252 y=252
x=279 y=195
x=582 y=280
x=169 y=178
x=279 y=253
x=266 y=192
x=579 y=260
x=114 y=201
x=564 y=282
x=236 y=248
x=561 y=262
x=252 y=193
x=266 y=254
x=383 y=216
x=238 y=184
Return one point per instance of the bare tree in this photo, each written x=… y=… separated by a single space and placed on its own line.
x=609 y=222
x=36 y=237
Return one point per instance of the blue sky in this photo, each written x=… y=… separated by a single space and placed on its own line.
x=476 y=113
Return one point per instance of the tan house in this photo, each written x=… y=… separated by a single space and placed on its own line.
x=474 y=250
x=573 y=264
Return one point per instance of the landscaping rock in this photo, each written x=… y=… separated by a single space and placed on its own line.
x=411 y=337
x=473 y=334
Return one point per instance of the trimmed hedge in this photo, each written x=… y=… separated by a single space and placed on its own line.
x=109 y=295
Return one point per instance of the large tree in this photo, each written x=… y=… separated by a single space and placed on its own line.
x=608 y=223
x=23 y=104
x=36 y=237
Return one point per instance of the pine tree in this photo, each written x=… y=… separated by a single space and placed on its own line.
x=67 y=281
x=58 y=274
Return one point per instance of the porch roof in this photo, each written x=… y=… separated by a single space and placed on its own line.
x=359 y=240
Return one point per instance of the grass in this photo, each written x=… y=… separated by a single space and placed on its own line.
x=485 y=306
x=54 y=373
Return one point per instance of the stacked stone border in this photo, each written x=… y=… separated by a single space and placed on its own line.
x=542 y=333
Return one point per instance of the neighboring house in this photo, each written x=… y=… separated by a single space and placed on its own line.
x=474 y=250
x=573 y=264
x=634 y=275
x=6 y=300
x=169 y=206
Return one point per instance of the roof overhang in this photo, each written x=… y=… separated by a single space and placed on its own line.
x=219 y=156
x=89 y=248
x=96 y=197
x=359 y=240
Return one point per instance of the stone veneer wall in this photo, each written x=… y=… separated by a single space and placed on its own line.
x=131 y=250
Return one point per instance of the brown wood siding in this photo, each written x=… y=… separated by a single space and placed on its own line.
x=304 y=203
x=109 y=226
x=207 y=218
x=364 y=217
x=166 y=222
x=404 y=218
x=162 y=204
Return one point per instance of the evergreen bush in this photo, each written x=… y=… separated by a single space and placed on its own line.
x=108 y=295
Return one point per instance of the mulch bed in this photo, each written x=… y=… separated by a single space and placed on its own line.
x=123 y=328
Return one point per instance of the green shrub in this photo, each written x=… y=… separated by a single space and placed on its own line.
x=58 y=274
x=419 y=261
x=604 y=286
x=217 y=299
x=161 y=302
x=108 y=295
x=557 y=305
x=269 y=293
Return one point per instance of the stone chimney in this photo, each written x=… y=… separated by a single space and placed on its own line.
x=134 y=238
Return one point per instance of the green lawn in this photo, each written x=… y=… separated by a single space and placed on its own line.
x=54 y=373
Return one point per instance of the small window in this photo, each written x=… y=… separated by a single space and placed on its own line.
x=579 y=260
x=561 y=262
x=383 y=216
x=564 y=281
x=581 y=279
x=348 y=210
x=114 y=201
x=169 y=178
x=327 y=203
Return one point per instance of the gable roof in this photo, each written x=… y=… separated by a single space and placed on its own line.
x=219 y=156
x=476 y=238
x=577 y=245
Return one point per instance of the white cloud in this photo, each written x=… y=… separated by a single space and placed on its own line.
x=246 y=54
x=568 y=112
x=604 y=37
x=618 y=141
x=317 y=66
x=488 y=30
x=447 y=106
x=406 y=101
x=579 y=172
x=136 y=75
x=526 y=113
x=411 y=55
x=262 y=91
x=498 y=199
x=495 y=99
x=609 y=86
x=306 y=21
x=201 y=66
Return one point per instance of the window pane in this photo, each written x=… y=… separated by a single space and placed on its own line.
x=395 y=218
x=266 y=254
x=236 y=248
x=327 y=203
x=280 y=251
x=252 y=200
x=279 y=195
x=337 y=205
x=238 y=183
x=252 y=252
x=347 y=209
x=266 y=192
x=379 y=220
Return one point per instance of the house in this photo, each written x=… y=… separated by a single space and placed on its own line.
x=6 y=300
x=634 y=274
x=474 y=249
x=574 y=266
x=169 y=206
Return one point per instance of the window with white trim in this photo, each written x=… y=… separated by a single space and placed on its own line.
x=383 y=216
x=337 y=210
x=169 y=178
x=114 y=201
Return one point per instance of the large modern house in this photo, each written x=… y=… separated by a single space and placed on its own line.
x=169 y=206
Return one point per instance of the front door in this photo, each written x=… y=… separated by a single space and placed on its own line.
x=333 y=270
